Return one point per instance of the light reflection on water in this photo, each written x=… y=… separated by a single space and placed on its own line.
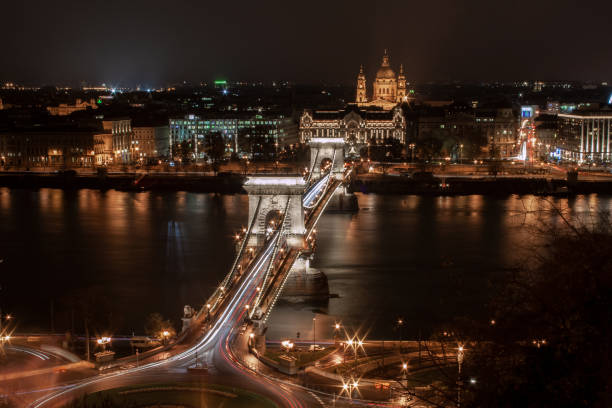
x=423 y=258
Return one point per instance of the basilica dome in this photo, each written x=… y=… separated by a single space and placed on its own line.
x=385 y=73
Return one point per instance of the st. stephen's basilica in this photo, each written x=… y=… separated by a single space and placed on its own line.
x=369 y=119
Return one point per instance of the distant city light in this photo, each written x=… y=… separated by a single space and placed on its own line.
x=610 y=100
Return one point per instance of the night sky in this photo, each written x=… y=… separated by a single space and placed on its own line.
x=156 y=42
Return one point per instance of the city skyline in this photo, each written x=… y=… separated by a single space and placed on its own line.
x=301 y=205
x=155 y=43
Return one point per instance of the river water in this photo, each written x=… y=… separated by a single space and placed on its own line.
x=425 y=259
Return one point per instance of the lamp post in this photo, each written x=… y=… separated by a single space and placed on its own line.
x=350 y=386
x=288 y=345
x=353 y=345
x=400 y=325
x=460 y=353
x=314 y=332
x=336 y=331
x=103 y=341
x=6 y=317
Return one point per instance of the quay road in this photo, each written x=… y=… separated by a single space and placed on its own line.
x=214 y=347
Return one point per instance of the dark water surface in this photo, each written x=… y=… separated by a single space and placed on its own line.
x=426 y=259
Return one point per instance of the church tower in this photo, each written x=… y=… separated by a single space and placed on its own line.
x=401 y=86
x=361 y=87
x=385 y=83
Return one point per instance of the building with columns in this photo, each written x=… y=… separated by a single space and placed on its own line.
x=388 y=89
x=123 y=143
x=587 y=135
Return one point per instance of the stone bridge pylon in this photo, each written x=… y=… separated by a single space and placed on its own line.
x=327 y=151
x=270 y=196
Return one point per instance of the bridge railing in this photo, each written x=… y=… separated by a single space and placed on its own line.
x=270 y=265
x=280 y=278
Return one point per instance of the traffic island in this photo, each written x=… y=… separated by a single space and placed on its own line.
x=175 y=395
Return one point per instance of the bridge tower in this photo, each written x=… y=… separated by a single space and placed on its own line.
x=327 y=151
x=270 y=196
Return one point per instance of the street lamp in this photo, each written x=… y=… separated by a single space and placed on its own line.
x=251 y=339
x=103 y=341
x=6 y=317
x=336 y=330
x=460 y=354
x=352 y=344
x=405 y=373
x=287 y=344
x=400 y=325
x=165 y=335
x=314 y=332
x=350 y=386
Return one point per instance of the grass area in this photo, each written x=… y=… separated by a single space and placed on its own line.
x=303 y=357
x=175 y=395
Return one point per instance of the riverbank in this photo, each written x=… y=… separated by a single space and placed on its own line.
x=231 y=183
x=454 y=185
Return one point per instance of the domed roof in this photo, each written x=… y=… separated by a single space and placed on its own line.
x=385 y=71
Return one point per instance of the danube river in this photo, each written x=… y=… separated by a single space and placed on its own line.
x=117 y=256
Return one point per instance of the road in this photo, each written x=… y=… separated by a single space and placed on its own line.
x=213 y=347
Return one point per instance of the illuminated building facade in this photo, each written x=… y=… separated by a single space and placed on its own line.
x=236 y=130
x=64 y=109
x=587 y=134
x=124 y=146
x=46 y=148
x=357 y=126
x=388 y=89
x=499 y=126
x=151 y=142
x=103 y=148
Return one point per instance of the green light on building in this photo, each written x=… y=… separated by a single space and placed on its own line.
x=220 y=82
x=99 y=101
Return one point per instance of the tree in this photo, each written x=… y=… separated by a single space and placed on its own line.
x=184 y=150
x=95 y=311
x=474 y=143
x=156 y=325
x=215 y=149
x=429 y=147
x=245 y=141
x=551 y=341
